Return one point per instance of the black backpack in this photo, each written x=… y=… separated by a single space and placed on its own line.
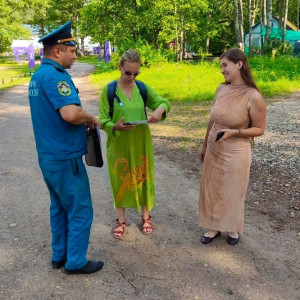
x=111 y=95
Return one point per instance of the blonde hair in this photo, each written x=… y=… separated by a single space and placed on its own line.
x=131 y=56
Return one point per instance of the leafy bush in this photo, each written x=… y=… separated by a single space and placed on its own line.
x=277 y=48
x=149 y=55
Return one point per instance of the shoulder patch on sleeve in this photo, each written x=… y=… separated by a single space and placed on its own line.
x=64 y=88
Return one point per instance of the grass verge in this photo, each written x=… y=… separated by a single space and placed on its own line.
x=12 y=73
x=191 y=86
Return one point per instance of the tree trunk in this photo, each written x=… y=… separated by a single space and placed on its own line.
x=82 y=44
x=254 y=11
x=265 y=12
x=241 y=17
x=285 y=19
x=269 y=19
x=238 y=24
x=250 y=28
x=176 y=31
x=181 y=38
x=262 y=23
x=208 y=39
x=207 y=45
x=298 y=14
x=236 y=21
x=280 y=9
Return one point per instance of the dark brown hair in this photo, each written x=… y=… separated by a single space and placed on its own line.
x=235 y=55
x=48 y=50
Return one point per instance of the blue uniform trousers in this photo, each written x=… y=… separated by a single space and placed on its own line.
x=71 y=211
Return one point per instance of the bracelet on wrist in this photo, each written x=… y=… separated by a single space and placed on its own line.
x=240 y=134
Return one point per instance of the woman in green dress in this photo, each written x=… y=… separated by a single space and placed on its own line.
x=130 y=156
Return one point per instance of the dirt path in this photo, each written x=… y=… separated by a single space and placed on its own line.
x=169 y=264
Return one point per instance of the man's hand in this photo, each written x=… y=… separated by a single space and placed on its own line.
x=94 y=123
x=74 y=114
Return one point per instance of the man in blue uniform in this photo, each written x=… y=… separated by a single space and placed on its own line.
x=59 y=125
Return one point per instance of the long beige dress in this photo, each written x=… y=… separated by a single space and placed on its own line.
x=226 y=168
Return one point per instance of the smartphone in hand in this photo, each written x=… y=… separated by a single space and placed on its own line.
x=219 y=135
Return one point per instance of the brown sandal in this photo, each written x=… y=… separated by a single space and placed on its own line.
x=149 y=226
x=118 y=234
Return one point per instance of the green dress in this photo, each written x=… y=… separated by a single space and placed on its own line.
x=130 y=156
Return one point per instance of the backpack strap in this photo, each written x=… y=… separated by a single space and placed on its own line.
x=143 y=91
x=111 y=95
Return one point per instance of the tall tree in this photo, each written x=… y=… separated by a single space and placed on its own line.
x=269 y=19
x=280 y=9
x=285 y=19
x=238 y=22
x=263 y=20
x=216 y=30
x=298 y=14
x=250 y=28
x=13 y=14
x=264 y=11
x=188 y=13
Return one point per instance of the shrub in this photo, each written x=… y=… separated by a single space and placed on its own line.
x=277 y=48
x=148 y=53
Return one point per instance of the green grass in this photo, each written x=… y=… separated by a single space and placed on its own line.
x=9 y=71
x=197 y=82
x=175 y=81
x=276 y=76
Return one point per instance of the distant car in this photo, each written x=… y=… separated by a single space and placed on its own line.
x=296 y=51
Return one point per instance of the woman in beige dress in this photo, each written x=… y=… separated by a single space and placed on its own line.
x=239 y=111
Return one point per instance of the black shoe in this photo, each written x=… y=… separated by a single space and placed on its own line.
x=206 y=239
x=57 y=264
x=90 y=267
x=232 y=241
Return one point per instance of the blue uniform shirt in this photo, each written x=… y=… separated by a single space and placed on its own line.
x=51 y=88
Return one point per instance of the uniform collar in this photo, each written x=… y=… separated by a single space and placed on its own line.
x=54 y=63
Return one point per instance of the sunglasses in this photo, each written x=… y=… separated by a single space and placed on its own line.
x=131 y=73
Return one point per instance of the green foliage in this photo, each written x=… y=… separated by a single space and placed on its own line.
x=159 y=23
x=47 y=15
x=8 y=60
x=199 y=25
x=148 y=53
x=278 y=75
x=197 y=82
x=285 y=49
x=13 y=14
x=277 y=48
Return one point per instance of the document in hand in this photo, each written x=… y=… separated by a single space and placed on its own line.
x=136 y=122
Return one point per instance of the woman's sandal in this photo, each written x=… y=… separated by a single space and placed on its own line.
x=147 y=226
x=119 y=230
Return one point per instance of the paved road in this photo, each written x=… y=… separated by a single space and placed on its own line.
x=169 y=264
